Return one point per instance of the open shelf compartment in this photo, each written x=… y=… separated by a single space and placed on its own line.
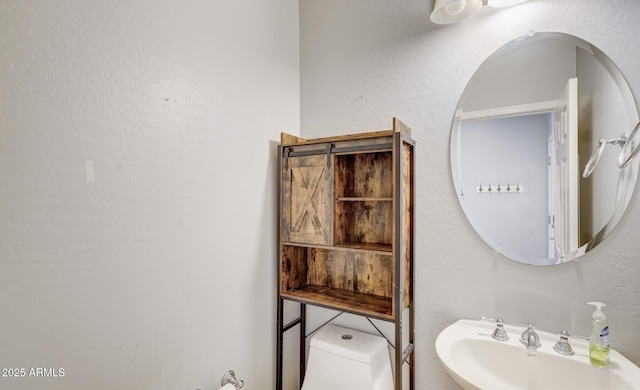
x=358 y=281
x=364 y=200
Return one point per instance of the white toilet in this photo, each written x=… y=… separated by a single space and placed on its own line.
x=346 y=359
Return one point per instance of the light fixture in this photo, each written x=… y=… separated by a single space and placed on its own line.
x=452 y=11
x=503 y=3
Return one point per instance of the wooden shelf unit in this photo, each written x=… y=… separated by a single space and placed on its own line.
x=346 y=232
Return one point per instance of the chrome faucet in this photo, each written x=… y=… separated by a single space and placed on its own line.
x=531 y=340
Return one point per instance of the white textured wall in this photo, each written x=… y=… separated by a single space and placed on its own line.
x=159 y=274
x=365 y=61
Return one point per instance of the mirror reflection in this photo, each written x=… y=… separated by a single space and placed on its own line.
x=526 y=126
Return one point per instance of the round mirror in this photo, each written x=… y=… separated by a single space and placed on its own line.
x=535 y=143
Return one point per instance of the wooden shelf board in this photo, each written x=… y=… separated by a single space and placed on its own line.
x=289 y=140
x=354 y=302
x=367 y=247
x=363 y=199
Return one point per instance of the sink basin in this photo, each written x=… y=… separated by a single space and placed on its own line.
x=476 y=361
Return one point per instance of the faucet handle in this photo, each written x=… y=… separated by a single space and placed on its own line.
x=562 y=346
x=499 y=333
x=530 y=338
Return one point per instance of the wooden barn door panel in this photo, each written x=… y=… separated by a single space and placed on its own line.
x=307 y=200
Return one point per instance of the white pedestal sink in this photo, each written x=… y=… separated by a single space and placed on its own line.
x=476 y=361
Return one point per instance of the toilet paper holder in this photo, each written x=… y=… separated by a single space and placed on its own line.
x=229 y=377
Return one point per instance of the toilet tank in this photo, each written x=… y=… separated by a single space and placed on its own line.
x=346 y=359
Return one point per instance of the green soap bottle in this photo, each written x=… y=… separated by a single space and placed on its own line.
x=599 y=340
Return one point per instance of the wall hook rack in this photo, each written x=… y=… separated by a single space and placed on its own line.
x=499 y=188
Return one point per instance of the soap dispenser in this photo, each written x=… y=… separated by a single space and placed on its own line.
x=599 y=341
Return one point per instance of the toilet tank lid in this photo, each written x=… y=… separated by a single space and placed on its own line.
x=349 y=343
